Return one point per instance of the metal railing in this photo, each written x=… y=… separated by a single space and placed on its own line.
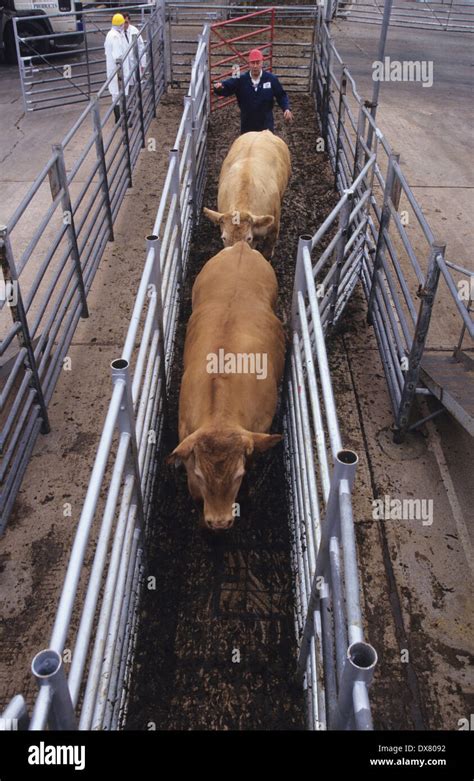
x=66 y=68
x=400 y=286
x=93 y=695
x=231 y=45
x=291 y=58
x=49 y=268
x=334 y=663
x=437 y=15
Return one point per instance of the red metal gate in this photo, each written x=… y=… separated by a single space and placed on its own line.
x=226 y=55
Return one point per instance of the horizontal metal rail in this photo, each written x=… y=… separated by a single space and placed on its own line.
x=335 y=663
x=90 y=697
x=400 y=286
x=60 y=255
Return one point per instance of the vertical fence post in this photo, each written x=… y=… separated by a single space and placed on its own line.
x=327 y=94
x=191 y=131
x=168 y=45
x=58 y=182
x=175 y=190
x=340 y=123
x=21 y=64
x=154 y=243
x=126 y=424
x=152 y=69
x=359 y=150
x=304 y=242
x=48 y=669
x=390 y=193
x=387 y=10
x=427 y=296
x=86 y=47
x=10 y=277
x=99 y=145
x=139 y=86
x=359 y=666
x=340 y=256
x=123 y=109
x=313 y=47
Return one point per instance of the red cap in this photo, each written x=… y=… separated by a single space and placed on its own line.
x=255 y=54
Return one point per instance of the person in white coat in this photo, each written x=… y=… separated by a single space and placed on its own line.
x=129 y=30
x=115 y=47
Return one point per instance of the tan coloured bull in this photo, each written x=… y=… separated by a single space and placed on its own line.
x=252 y=182
x=233 y=361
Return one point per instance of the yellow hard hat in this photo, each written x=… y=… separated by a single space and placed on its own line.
x=117 y=20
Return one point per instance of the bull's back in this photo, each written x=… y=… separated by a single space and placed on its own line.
x=237 y=276
x=233 y=311
x=254 y=173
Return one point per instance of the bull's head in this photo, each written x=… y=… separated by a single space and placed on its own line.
x=240 y=226
x=216 y=463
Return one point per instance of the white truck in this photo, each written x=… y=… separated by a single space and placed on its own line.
x=41 y=24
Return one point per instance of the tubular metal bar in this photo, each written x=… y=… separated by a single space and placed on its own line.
x=48 y=669
x=464 y=312
x=19 y=315
x=421 y=331
x=360 y=662
x=15 y=716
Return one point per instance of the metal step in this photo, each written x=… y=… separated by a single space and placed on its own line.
x=451 y=380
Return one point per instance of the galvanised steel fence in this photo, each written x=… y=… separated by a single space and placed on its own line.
x=291 y=56
x=335 y=664
x=58 y=75
x=48 y=273
x=400 y=266
x=97 y=618
x=432 y=15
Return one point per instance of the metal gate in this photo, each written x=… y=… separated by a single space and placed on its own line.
x=436 y=15
x=65 y=69
x=226 y=55
x=291 y=59
x=400 y=281
x=48 y=266
x=335 y=664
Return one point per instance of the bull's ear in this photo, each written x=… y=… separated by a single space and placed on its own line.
x=184 y=449
x=262 y=442
x=261 y=225
x=212 y=216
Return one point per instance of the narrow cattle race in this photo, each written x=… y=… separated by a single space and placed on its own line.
x=216 y=641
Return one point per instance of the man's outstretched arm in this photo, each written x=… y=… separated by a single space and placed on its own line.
x=226 y=88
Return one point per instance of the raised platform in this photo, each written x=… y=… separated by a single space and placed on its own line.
x=451 y=380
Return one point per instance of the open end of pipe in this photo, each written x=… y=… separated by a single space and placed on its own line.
x=362 y=655
x=46 y=663
x=119 y=363
x=306 y=237
x=347 y=457
x=152 y=237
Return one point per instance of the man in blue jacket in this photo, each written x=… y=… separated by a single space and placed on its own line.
x=255 y=92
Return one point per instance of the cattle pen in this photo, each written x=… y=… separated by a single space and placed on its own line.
x=262 y=628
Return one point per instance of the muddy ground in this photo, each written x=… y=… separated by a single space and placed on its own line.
x=216 y=647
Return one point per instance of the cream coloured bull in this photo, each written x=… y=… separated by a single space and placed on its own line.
x=233 y=360
x=252 y=182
